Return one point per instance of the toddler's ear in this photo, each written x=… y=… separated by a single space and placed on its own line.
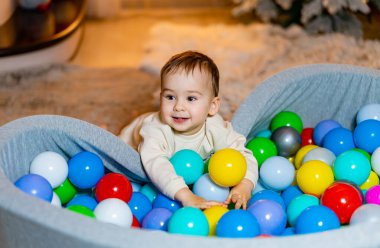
x=215 y=105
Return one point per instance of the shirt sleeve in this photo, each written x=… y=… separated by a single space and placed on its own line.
x=155 y=150
x=224 y=136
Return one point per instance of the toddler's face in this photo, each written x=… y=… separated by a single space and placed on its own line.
x=187 y=100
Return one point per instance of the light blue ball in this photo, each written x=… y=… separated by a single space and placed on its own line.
x=207 y=189
x=352 y=166
x=189 y=221
x=188 y=164
x=316 y=219
x=277 y=173
x=298 y=205
x=237 y=223
x=369 y=111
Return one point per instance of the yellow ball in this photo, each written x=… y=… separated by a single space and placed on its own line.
x=314 y=177
x=301 y=154
x=372 y=180
x=213 y=215
x=227 y=167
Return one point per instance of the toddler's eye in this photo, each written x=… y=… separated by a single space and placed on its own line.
x=191 y=98
x=169 y=97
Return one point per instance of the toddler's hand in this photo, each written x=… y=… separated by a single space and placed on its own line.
x=240 y=194
x=189 y=199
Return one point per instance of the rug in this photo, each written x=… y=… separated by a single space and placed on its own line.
x=248 y=54
x=113 y=97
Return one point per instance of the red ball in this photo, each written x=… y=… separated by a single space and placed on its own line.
x=135 y=222
x=113 y=185
x=307 y=136
x=343 y=198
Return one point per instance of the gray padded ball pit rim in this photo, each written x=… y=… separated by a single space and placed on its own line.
x=29 y=222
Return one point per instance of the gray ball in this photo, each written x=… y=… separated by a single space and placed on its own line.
x=287 y=140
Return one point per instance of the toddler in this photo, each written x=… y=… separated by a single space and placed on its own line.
x=188 y=119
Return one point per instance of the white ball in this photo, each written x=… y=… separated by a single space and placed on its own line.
x=321 y=154
x=56 y=201
x=52 y=166
x=367 y=213
x=375 y=161
x=115 y=211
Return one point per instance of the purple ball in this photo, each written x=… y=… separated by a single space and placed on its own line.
x=322 y=128
x=157 y=219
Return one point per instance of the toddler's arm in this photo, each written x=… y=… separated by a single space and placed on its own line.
x=188 y=198
x=240 y=194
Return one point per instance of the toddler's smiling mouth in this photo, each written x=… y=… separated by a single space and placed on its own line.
x=179 y=119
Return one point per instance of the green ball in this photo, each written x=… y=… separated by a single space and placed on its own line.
x=262 y=149
x=206 y=166
x=81 y=210
x=287 y=118
x=66 y=191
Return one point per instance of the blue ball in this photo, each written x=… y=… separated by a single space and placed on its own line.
x=162 y=201
x=188 y=164
x=35 y=185
x=322 y=128
x=85 y=170
x=267 y=194
x=237 y=223
x=367 y=135
x=270 y=216
x=140 y=205
x=316 y=219
x=290 y=193
x=289 y=231
x=157 y=219
x=83 y=200
x=339 y=140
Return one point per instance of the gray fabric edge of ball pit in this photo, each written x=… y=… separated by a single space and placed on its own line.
x=308 y=90
x=29 y=222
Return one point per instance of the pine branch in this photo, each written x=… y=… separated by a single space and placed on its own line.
x=320 y=24
x=358 y=6
x=376 y=3
x=244 y=7
x=347 y=23
x=266 y=10
x=333 y=6
x=311 y=9
x=285 y=4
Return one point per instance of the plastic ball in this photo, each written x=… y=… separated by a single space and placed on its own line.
x=135 y=186
x=162 y=201
x=135 y=222
x=288 y=119
x=366 y=154
x=352 y=166
x=207 y=189
x=258 y=187
x=262 y=149
x=188 y=164
x=289 y=231
x=55 y=201
x=371 y=181
x=339 y=140
x=213 y=215
x=115 y=211
x=66 y=191
x=372 y=195
x=316 y=219
x=287 y=140
x=34 y=4
x=264 y=134
x=367 y=135
x=267 y=194
x=321 y=154
x=290 y=193
x=52 y=166
x=369 y=111
x=113 y=185
x=227 y=167
x=83 y=200
x=81 y=210
x=35 y=185
x=85 y=170
x=188 y=221
x=368 y=213
x=237 y=223
x=301 y=154
x=139 y=205
x=307 y=136
x=314 y=177
x=157 y=219
x=322 y=128
x=298 y=205
x=277 y=173
x=149 y=191
x=343 y=198
x=270 y=215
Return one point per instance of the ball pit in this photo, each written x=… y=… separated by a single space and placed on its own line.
x=291 y=89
